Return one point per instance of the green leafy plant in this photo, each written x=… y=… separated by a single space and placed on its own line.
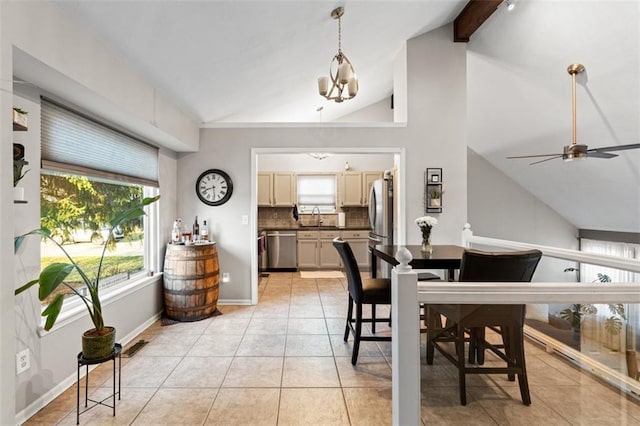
x=55 y=274
x=613 y=324
x=435 y=194
x=18 y=173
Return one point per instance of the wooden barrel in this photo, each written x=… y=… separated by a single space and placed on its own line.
x=191 y=281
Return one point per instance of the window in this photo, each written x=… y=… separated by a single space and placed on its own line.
x=90 y=172
x=317 y=191
x=76 y=209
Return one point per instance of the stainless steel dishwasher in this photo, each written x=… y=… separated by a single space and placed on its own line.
x=282 y=250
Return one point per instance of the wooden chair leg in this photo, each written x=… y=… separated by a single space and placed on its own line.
x=432 y=332
x=373 y=318
x=480 y=334
x=518 y=349
x=356 y=338
x=349 y=319
x=461 y=365
x=508 y=342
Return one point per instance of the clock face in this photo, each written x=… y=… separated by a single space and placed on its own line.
x=214 y=187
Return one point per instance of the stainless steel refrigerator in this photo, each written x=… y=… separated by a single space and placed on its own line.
x=381 y=218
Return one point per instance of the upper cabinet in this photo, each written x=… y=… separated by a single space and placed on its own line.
x=351 y=185
x=265 y=189
x=367 y=182
x=355 y=188
x=276 y=189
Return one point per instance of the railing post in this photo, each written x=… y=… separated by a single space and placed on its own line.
x=467 y=233
x=405 y=344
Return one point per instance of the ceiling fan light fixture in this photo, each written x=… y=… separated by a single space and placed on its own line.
x=342 y=75
x=510 y=5
x=575 y=152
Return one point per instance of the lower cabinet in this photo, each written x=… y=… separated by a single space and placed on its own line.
x=329 y=257
x=308 y=249
x=359 y=242
x=316 y=250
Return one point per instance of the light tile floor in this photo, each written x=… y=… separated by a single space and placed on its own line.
x=284 y=362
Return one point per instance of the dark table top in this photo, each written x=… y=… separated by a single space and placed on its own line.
x=442 y=257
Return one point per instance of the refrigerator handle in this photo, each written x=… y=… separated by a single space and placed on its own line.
x=376 y=240
x=372 y=207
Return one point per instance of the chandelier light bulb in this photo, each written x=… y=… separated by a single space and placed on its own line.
x=323 y=85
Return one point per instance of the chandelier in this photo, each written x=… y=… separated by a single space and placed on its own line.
x=342 y=74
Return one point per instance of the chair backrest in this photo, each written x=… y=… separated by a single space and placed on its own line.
x=515 y=266
x=354 y=280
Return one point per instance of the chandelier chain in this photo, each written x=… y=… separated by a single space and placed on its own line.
x=339 y=35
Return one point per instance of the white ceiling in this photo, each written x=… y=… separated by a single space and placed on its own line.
x=519 y=103
x=257 y=61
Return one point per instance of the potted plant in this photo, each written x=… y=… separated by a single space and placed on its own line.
x=18 y=174
x=100 y=340
x=435 y=197
x=19 y=119
x=613 y=324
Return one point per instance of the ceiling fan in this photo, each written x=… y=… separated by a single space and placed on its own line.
x=577 y=151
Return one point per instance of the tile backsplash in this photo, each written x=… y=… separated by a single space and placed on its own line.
x=282 y=217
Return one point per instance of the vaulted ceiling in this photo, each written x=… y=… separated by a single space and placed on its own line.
x=257 y=61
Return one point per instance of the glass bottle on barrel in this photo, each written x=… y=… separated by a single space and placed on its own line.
x=196 y=230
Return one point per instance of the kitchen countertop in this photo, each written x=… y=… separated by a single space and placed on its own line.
x=313 y=228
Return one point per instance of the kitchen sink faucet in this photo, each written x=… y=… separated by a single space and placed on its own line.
x=313 y=213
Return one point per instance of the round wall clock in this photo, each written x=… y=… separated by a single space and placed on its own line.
x=214 y=187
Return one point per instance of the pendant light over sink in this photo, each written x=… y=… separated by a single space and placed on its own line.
x=341 y=71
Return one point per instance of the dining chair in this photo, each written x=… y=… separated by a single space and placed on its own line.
x=472 y=320
x=362 y=291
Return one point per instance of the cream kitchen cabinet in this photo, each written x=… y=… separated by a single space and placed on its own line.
x=308 y=249
x=327 y=253
x=351 y=189
x=284 y=189
x=315 y=250
x=359 y=242
x=367 y=181
x=265 y=189
x=276 y=189
x=355 y=188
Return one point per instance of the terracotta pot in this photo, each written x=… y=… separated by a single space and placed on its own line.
x=98 y=345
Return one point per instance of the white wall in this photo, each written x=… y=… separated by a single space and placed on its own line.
x=7 y=301
x=335 y=163
x=433 y=137
x=379 y=112
x=67 y=60
x=500 y=208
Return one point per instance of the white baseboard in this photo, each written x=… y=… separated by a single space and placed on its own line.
x=57 y=390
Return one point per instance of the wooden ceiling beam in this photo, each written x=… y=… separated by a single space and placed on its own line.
x=472 y=17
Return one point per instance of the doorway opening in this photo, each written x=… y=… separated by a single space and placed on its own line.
x=299 y=159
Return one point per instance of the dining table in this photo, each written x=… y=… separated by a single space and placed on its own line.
x=446 y=257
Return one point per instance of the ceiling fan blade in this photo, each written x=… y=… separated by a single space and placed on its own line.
x=533 y=156
x=616 y=148
x=546 y=159
x=598 y=154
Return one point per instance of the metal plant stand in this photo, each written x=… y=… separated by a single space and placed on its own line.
x=117 y=353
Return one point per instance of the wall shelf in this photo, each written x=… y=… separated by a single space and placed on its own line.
x=433 y=190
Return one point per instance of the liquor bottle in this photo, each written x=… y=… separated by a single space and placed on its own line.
x=204 y=232
x=196 y=230
x=175 y=232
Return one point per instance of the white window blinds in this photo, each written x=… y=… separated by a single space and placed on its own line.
x=317 y=190
x=74 y=143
